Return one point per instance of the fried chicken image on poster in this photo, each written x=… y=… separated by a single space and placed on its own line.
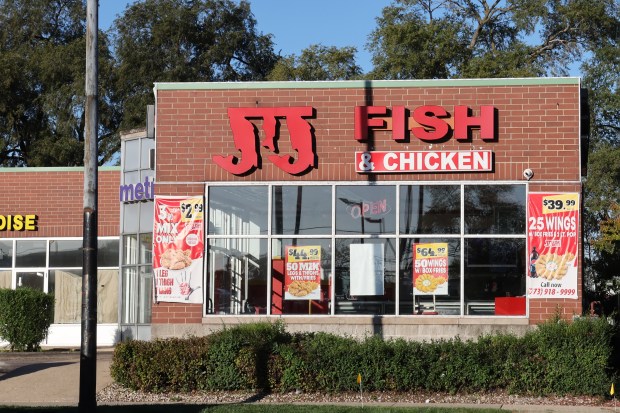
x=178 y=249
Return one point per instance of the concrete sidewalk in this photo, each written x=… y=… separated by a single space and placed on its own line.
x=51 y=378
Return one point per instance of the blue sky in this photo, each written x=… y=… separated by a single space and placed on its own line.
x=297 y=24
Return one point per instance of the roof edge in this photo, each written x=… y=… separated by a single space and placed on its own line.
x=356 y=84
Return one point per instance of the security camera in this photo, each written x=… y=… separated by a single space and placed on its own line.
x=528 y=174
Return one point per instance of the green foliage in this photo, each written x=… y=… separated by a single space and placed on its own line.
x=559 y=357
x=185 y=41
x=42 y=61
x=25 y=317
x=318 y=62
x=231 y=359
x=161 y=365
x=602 y=220
x=417 y=39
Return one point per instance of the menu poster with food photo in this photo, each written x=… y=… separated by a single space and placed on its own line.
x=553 y=229
x=178 y=249
x=430 y=268
x=302 y=273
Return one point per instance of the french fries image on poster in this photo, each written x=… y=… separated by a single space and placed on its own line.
x=553 y=225
x=430 y=268
x=178 y=249
x=302 y=278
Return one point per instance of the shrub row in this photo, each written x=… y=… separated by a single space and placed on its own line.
x=559 y=357
x=26 y=315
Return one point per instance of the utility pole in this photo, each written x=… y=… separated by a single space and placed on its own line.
x=88 y=352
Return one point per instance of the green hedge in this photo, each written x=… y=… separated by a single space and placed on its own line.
x=25 y=317
x=558 y=357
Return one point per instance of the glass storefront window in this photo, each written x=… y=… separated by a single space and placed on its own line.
x=495 y=209
x=130 y=223
x=430 y=209
x=146 y=216
x=364 y=281
x=130 y=249
x=296 y=303
x=365 y=209
x=365 y=276
x=145 y=295
x=238 y=210
x=107 y=296
x=6 y=278
x=145 y=147
x=66 y=285
x=494 y=267
x=31 y=279
x=302 y=210
x=65 y=253
x=107 y=252
x=130 y=293
x=6 y=254
x=146 y=246
x=30 y=253
x=447 y=300
x=237 y=276
x=131 y=152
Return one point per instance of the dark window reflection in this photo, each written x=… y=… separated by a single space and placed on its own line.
x=33 y=280
x=30 y=253
x=494 y=209
x=365 y=209
x=302 y=210
x=107 y=253
x=66 y=253
x=494 y=267
x=237 y=210
x=6 y=254
x=432 y=209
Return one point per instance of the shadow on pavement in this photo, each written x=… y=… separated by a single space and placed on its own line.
x=32 y=368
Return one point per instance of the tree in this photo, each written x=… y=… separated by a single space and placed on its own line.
x=42 y=65
x=475 y=38
x=602 y=186
x=318 y=62
x=183 y=41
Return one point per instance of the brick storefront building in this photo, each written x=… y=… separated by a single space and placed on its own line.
x=417 y=209
x=46 y=254
x=378 y=180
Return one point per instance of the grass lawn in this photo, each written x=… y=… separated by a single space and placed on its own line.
x=249 y=408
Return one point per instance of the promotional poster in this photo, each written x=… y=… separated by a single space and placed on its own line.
x=430 y=268
x=178 y=249
x=302 y=273
x=553 y=227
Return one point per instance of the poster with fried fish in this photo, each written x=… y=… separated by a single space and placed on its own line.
x=302 y=278
x=178 y=249
x=553 y=245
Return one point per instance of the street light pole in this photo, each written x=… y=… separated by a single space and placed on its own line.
x=88 y=353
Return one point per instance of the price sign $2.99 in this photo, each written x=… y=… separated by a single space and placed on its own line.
x=192 y=209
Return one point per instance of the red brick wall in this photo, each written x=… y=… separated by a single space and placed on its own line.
x=55 y=195
x=537 y=128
